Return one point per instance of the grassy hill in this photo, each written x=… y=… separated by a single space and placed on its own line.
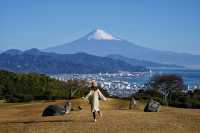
x=26 y=118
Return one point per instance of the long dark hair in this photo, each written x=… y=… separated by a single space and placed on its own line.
x=94 y=88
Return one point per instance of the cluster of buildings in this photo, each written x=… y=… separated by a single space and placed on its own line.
x=119 y=88
x=194 y=87
x=113 y=83
x=121 y=84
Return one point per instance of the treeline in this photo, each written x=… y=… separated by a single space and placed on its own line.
x=21 y=87
x=169 y=90
x=24 y=87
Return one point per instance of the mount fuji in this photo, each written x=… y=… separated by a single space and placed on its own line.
x=101 y=43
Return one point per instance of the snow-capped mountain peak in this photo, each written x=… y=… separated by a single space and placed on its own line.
x=100 y=34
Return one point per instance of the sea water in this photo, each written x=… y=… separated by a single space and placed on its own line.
x=190 y=77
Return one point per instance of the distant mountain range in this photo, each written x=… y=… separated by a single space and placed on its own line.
x=101 y=43
x=34 y=60
x=148 y=64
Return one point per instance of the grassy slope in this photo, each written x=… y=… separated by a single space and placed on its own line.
x=27 y=118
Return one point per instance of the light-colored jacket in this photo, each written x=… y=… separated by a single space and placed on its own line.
x=93 y=97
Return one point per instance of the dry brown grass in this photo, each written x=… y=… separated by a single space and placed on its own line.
x=26 y=118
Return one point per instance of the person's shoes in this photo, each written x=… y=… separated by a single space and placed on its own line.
x=95 y=120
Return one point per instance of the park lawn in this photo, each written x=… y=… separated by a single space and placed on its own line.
x=26 y=118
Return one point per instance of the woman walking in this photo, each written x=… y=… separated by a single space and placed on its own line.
x=93 y=96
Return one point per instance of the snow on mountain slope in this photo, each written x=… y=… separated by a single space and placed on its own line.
x=101 y=43
x=100 y=34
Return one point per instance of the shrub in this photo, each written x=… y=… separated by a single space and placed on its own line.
x=19 y=98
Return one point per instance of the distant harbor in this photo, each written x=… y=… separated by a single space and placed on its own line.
x=124 y=84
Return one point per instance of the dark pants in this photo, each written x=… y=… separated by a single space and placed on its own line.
x=94 y=114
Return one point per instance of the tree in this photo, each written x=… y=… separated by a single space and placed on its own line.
x=19 y=87
x=167 y=85
x=1 y=91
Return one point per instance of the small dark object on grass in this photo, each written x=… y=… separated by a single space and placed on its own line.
x=72 y=109
x=55 y=110
x=152 y=106
x=79 y=107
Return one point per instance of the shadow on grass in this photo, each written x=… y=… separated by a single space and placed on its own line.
x=32 y=121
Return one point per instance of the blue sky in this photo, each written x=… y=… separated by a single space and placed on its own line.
x=162 y=24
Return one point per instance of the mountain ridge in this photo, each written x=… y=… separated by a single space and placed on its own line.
x=125 y=48
x=145 y=63
x=34 y=60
